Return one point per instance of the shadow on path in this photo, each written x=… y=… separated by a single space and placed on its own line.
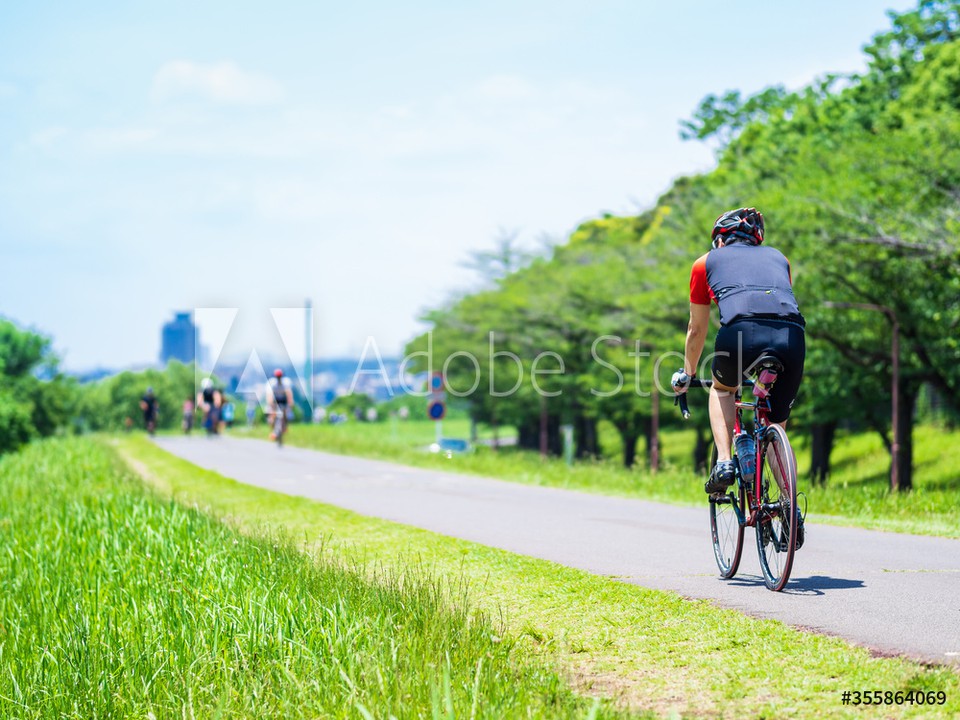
x=812 y=585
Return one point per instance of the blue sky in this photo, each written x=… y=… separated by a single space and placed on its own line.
x=162 y=156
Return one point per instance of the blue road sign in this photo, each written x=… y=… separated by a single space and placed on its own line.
x=436 y=410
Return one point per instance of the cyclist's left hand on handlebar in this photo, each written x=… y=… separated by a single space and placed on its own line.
x=681 y=381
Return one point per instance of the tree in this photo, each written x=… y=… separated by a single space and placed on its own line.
x=29 y=406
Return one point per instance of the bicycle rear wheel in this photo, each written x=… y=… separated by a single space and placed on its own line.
x=777 y=519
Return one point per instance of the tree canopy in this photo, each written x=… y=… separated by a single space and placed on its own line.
x=859 y=179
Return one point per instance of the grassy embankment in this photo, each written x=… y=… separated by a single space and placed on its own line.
x=652 y=650
x=115 y=602
x=857 y=493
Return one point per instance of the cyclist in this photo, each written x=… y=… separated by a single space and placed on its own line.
x=207 y=400
x=752 y=286
x=148 y=403
x=279 y=398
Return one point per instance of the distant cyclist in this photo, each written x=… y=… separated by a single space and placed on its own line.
x=279 y=399
x=752 y=286
x=208 y=402
x=149 y=406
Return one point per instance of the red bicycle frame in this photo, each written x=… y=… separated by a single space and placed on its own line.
x=761 y=408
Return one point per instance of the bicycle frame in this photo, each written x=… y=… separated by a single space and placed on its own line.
x=761 y=408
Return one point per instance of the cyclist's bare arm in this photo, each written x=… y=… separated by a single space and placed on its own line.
x=696 y=336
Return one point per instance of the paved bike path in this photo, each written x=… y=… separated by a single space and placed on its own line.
x=890 y=592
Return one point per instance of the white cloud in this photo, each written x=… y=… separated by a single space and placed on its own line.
x=221 y=82
x=46 y=138
x=504 y=87
x=122 y=138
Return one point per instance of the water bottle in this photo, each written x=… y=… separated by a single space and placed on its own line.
x=747 y=455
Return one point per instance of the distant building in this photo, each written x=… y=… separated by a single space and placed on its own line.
x=179 y=339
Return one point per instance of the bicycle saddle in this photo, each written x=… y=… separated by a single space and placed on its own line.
x=767 y=362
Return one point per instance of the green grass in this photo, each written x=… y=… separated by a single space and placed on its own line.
x=857 y=493
x=858 y=490
x=650 y=650
x=117 y=603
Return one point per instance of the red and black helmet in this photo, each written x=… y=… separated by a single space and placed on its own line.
x=742 y=224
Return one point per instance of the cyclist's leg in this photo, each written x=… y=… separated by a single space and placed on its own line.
x=722 y=414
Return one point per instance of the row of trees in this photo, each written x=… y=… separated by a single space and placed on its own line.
x=859 y=180
x=37 y=400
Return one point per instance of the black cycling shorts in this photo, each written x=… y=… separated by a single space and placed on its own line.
x=742 y=342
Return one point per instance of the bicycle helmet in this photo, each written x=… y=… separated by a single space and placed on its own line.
x=278 y=373
x=740 y=224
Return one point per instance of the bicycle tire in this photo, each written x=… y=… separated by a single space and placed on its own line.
x=777 y=516
x=278 y=428
x=726 y=532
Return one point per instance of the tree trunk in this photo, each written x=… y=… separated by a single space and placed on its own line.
x=822 y=435
x=554 y=436
x=629 y=438
x=528 y=435
x=700 y=448
x=586 y=438
x=905 y=411
x=544 y=436
x=655 y=434
x=652 y=448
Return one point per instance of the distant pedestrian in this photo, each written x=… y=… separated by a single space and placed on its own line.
x=228 y=413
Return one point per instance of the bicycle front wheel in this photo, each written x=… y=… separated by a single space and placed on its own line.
x=777 y=515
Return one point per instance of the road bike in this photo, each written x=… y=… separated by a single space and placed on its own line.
x=279 y=424
x=760 y=454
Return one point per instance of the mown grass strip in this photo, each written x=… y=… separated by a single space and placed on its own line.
x=117 y=603
x=651 y=650
x=857 y=495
